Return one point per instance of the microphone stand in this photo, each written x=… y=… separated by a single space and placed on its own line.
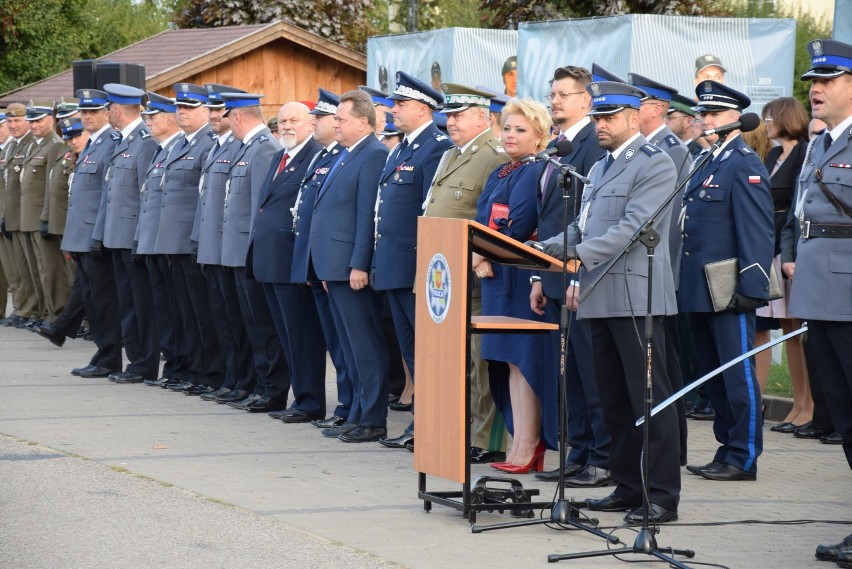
x=645 y=542
x=563 y=512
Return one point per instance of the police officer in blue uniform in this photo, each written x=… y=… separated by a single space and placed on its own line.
x=242 y=194
x=302 y=270
x=403 y=187
x=207 y=241
x=181 y=176
x=270 y=258
x=116 y=227
x=822 y=280
x=161 y=121
x=97 y=279
x=727 y=213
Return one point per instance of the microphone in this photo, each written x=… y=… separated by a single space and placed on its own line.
x=561 y=148
x=747 y=123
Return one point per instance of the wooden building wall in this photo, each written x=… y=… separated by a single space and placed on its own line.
x=283 y=71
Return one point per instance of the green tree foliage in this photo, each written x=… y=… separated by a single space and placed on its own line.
x=343 y=21
x=39 y=38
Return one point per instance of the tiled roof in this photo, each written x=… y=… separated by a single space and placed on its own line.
x=158 y=53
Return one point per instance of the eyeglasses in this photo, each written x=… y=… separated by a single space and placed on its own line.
x=561 y=96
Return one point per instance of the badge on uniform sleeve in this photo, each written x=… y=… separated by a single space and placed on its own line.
x=754 y=179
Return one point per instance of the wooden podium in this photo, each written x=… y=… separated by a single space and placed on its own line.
x=444 y=325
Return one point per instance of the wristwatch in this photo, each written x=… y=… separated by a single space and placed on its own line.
x=534 y=279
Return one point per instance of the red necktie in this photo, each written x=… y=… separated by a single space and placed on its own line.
x=283 y=163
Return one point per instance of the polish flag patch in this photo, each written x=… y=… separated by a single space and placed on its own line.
x=754 y=179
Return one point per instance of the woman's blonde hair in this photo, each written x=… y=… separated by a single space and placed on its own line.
x=535 y=113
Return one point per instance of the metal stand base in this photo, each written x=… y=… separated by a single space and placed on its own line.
x=645 y=544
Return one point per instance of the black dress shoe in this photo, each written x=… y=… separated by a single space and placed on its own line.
x=127 y=377
x=400 y=406
x=24 y=323
x=790 y=427
x=181 y=386
x=212 y=395
x=335 y=432
x=810 y=433
x=727 y=472
x=245 y=403
x=570 y=468
x=78 y=370
x=706 y=414
x=330 y=423
x=363 y=435
x=156 y=382
x=47 y=331
x=611 y=503
x=278 y=414
x=231 y=396
x=398 y=442
x=833 y=439
x=699 y=469
x=266 y=404
x=392 y=398
x=590 y=477
x=832 y=552
x=199 y=390
x=14 y=321
x=410 y=445
x=779 y=428
x=485 y=456
x=844 y=559
x=656 y=515
x=172 y=381
x=97 y=371
x=292 y=415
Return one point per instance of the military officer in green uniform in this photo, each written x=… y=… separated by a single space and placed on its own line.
x=455 y=188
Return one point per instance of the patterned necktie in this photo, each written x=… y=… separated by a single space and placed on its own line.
x=283 y=163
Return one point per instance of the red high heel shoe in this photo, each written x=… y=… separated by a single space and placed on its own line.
x=534 y=465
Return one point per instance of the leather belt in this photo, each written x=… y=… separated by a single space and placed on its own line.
x=814 y=230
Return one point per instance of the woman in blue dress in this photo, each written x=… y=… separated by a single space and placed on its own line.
x=522 y=367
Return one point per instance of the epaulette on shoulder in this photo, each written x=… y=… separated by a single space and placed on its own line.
x=439 y=136
x=649 y=149
x=212 y=135
x=495 y=145
x=746 y=150
x=115 y=136
x=143 y=134
x=672 y=140
x=262 y=138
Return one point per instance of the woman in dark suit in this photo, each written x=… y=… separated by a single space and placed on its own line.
x=786 y=124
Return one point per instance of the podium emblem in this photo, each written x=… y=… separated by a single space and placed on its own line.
x=438 y=288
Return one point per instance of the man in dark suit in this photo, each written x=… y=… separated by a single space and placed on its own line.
x=242 y=194
x=727 y=214
x=270 y=258
x=628 y=185
x=587 y=462
x=97 y=281
x=341 y=251
x=116 y=228
x=182 y=172
x=207 y=242
x=821 y=278
x=161 y=120
x=303 y=272
x=403 y=186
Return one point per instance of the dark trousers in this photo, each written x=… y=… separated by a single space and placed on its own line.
x=206 y=362
x=822 y=417
x=833 y=342
x=735 y=395
x=620 y=361
x=675 y=370
x=335 y=348
x=230 y=328
x=297 y=322
x=138 y=323
x=273 y=371
x=100 y=300
x=165 y=303
x=359 y=315
x=70 y=319
x=401 y=304
x=587 y=432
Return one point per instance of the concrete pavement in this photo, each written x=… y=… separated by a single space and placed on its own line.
x=357 y=503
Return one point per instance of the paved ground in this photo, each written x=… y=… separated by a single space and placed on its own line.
x=102 y=475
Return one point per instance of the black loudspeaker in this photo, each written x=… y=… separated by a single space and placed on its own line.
x=84 y=74
x=124 y=73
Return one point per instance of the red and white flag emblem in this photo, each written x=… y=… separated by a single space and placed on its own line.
x=754 y=179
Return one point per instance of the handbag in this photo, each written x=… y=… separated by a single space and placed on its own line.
x=722 y=279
